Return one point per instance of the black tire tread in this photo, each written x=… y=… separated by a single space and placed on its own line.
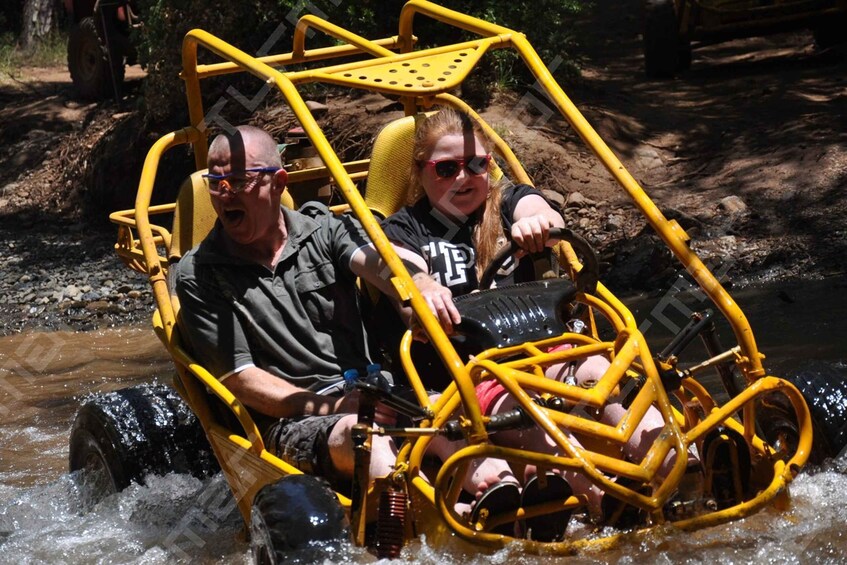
x=825 y=392
x=86 y=37
x=141 y=430
x=288 y=516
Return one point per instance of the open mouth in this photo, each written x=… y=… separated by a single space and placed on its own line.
x=234 y=216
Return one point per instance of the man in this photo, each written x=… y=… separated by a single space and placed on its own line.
x=268 y=304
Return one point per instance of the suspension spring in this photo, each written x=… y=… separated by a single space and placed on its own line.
x=391 y=523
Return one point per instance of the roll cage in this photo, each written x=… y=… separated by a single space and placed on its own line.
x=421 y=80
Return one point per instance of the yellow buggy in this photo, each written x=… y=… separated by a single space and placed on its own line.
x=750 y=446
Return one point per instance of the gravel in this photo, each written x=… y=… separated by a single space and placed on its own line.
x=67 y=278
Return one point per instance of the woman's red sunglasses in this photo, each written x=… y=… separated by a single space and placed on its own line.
x=449 y=168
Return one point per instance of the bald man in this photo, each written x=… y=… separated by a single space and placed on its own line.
x=268 y=304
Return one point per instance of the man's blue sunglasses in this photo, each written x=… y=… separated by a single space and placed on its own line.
x=222 y=183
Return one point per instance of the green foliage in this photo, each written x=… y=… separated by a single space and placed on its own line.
x=50 y=51
x=266 y=26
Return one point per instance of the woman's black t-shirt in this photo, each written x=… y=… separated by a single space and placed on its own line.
x=447 y=245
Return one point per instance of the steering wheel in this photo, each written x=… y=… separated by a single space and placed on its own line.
x=586 y=278
x=527 y=311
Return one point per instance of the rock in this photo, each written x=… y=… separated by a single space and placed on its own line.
x=577 y=200
x=98 y=306
x=316 y=108
x=71 y=291
x=732 y=205
x=647 y=158
x=556 y=198
x=35 y=311
x=614 y=222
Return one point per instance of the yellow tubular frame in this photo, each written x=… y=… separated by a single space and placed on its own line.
x=383 y=58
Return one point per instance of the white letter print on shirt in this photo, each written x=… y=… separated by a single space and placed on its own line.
x=457 y=260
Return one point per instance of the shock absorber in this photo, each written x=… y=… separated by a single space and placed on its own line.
x=391 y=523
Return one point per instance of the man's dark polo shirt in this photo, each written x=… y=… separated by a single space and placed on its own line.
x=300 y=321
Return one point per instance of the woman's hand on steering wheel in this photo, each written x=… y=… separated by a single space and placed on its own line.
x=586 y=279
x=532 y=233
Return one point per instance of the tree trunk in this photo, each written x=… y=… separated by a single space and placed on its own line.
x=39 y=19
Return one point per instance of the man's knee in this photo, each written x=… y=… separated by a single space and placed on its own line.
x=340 y=443
x=342 y=454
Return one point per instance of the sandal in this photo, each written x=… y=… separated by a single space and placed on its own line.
x=498 y=499
x=546 y=527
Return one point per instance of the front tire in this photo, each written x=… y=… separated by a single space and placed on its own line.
x=825 y=392
x=88 y=62
x=298 y=519
x=121 y=437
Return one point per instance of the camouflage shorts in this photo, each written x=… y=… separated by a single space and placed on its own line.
x=303 y=443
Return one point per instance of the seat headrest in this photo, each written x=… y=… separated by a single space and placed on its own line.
x=391 y=161
x=387 y=189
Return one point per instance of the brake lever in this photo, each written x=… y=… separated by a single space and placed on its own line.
x=393 y=401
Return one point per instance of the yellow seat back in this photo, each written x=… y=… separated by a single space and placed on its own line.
x=193 y=215
x=391 y=162
x=387 y=189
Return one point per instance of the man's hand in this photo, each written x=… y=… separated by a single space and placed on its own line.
x=347 y=404
x=440 y=300
x=531 y=232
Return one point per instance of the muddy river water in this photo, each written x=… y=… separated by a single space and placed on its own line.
x=176 y=518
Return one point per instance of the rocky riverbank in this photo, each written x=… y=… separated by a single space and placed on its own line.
x=63 y=277
x=67 y=276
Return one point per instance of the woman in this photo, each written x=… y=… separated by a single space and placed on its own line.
x=461 y=219
x=454 y=229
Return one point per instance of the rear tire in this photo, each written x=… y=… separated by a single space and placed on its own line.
x=825 y=392
x=88 y=62
x=665 y=52
x=123 y=436
x=298 y=519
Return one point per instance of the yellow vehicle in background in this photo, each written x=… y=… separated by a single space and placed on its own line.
x=128 y=434
x=671 y=27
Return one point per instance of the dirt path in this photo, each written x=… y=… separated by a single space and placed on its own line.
x=759 y=119
x=762 y=119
